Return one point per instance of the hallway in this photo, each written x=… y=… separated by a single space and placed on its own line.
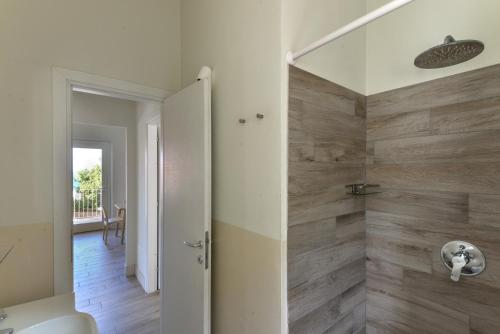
x=119 y=304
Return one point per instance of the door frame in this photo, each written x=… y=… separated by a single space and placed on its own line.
x=64 y=82
x=154 y=228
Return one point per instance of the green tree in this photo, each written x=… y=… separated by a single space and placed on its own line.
x=90 y=181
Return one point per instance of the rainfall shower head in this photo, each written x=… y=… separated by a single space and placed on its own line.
x=450 y=53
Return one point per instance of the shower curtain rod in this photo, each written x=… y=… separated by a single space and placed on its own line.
x=358 y=23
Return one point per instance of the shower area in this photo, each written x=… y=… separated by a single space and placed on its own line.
x=394 y=202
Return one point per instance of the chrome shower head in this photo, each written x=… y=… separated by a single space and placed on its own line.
x=450 y=53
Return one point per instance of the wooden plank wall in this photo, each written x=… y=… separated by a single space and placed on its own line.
x=435 y=149
x=326 y=232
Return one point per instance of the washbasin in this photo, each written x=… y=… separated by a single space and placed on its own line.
x=77 y=323
x=53 y=315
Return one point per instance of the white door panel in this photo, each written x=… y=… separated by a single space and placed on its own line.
x=187 y=211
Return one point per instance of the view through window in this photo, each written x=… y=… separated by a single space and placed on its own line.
x=87 y=185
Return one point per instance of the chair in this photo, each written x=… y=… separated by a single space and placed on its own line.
x=109 y=222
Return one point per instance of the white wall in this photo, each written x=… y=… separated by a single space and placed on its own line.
x=146 y=112
x=394 y=41
x=121 y=114
x=343 y=61
x=125 y=39
x=137 y=41
x=240 y=41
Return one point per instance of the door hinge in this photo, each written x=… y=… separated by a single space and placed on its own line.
x=207 y=249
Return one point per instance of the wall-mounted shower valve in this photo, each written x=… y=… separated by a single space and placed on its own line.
x=462 y=258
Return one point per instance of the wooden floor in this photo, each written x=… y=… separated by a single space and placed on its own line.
x=119 y=304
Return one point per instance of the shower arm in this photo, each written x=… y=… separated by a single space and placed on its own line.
x=356 y=24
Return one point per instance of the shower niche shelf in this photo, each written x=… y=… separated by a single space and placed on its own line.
x=362 y=189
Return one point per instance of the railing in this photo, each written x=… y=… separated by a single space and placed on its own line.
x=87 y=204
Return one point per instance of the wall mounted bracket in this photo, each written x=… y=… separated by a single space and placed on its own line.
x=361 y=189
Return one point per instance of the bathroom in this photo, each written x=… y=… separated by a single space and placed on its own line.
x=350 y=169
x=381 y=181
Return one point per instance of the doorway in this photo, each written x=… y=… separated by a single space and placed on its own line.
x=91 y=184
x=189 y=197
x=110 y=142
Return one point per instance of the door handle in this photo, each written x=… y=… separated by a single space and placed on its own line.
x=198 y=244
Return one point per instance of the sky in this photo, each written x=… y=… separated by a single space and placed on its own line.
x=86 y=158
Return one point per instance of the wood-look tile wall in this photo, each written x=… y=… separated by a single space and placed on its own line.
x=435 y=149
x=326 y=232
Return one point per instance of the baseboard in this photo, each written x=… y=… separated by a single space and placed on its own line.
x=141 y=278
x=87 y=227
x=130 y=270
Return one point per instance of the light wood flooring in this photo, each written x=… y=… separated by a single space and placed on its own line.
x=118 y=303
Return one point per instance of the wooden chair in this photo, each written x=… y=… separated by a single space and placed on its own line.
x=109 y=222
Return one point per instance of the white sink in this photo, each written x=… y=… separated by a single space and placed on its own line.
x=77 y=323
x=54 y=315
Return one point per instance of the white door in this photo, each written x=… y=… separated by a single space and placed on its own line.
x=187 y=211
